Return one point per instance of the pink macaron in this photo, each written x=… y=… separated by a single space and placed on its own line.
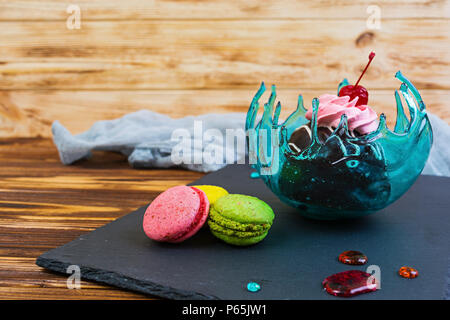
x=176 y=214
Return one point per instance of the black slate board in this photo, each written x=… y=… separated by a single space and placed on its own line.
x=290 y=263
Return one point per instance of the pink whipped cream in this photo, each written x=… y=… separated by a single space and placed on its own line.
x=360 y=118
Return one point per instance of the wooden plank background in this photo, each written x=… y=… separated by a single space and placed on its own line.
x=44 y=204
x=180 y=58
x=193 y=57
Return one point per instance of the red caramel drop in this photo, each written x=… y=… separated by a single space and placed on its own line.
x=349 y=283
x=352 y=257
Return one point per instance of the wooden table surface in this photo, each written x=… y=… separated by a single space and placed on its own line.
x=44 y=204
x=180 y=58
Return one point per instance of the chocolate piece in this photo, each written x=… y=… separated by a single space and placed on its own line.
x=301 y=138
x=323 y=133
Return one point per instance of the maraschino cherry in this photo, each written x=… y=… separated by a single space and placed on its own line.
x=358 y=91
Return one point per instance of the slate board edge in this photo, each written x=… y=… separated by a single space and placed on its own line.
x=447 y=291
x=122 y=281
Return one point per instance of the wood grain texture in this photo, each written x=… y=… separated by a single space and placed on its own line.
x=78 y=110
x=221 y=9
x=221 y=54
x=44 y=204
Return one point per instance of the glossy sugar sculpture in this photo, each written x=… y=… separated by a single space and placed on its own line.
x=344 y=176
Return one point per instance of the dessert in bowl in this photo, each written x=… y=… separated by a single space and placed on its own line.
x=338 y=160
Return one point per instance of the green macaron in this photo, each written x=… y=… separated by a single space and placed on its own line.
x=240 y=220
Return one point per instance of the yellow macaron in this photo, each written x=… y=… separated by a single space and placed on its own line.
x=212 y=192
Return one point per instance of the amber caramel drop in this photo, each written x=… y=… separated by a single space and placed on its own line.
x=408 y=272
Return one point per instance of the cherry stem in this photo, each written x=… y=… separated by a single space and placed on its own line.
x=371 y=56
